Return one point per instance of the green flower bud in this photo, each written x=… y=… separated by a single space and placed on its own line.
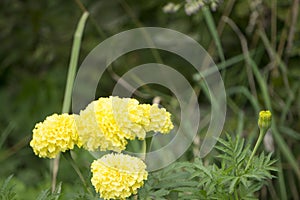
x=265 y=119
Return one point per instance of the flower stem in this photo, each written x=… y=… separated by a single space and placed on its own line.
x=146 y=147
x=236 y=197
x=55 y=166
x=260 y=138
x=148 y=143
x=69 y=158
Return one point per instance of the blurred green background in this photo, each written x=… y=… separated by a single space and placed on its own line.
x=255 y=43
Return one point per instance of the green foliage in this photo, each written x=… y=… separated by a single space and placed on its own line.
x=48 y=195
x=7 y=191
x=231 y=178
x=169 y=183
x=228 y=180
x=85 y=196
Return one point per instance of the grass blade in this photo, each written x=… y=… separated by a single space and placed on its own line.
x=73 y=62
x=213 y=30
x=6 y=132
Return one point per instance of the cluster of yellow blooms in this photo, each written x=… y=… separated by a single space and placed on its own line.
x=118 y=176
x=108 y=123
x=105 y=124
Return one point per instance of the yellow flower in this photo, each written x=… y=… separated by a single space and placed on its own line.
x=160 y=120
x=265 y=119
x=153 y=118
x=108 y=123
x=57 y=133
x=105 y=124
x=118 y=176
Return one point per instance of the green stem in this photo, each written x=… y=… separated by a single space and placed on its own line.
x=260 y=138
x=236 y=197
x=69 y=158
x=144 y=149
x=148 y=142
x=146 y=146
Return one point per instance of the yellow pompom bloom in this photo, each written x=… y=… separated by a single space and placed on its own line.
x=153 y=118
x=57 y=133
x=141 y=115
x=160 y=120
x=118 y=176
x=105 y=124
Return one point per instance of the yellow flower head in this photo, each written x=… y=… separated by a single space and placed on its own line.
x=265 y=119
x=108 y=123
x=54 y=135
x=118 y=176
x=160 y=120
x=105 y=124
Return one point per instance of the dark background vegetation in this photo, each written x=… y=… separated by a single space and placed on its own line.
x=36 y=40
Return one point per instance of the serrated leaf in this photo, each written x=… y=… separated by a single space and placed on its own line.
x=204 y=169
x=160 y=193
x=196 y=174
x=225 y=157
x=239 y=148
x=6 y=191
x=233 y=183
x=225 y=143
x=5 y=184
x=43 y=195
x=224 y=150
x=58 y=190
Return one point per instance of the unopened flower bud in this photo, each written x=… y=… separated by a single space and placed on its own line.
x=265 y=119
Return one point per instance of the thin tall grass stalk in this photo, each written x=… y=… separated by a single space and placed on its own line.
x=138 y=23
x=293 y=25
x=245 y=50
x=69 y=85
x=282 y=187
x=290 y=99
x=213 y=30
x=92 y=19
x=282 y=40
x=6 y=132
x=273 y=23
x=231 y=61
x=221 y=24
x=273 y=55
